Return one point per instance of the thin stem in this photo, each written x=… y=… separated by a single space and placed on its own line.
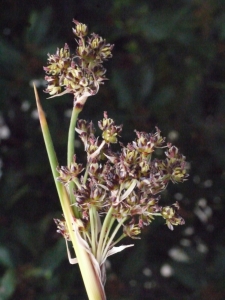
x=87 y=238
x=98 y=225
x=71 y=136
x=112 y=237
x=93 y=226
x=86 y=173
x=72 y=197
x=104 y=230
x=76 y=181
x=70 y=153
x=106 y=235
x=123 y=235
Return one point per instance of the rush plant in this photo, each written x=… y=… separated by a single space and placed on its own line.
x=116 y=193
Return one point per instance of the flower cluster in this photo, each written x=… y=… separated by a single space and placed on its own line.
x=126 y=183
x=80 y=73
x=117 y=193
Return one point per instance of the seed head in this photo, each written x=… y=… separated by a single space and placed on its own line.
x=81 y=73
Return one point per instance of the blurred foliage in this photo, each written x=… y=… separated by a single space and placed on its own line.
x=167 y=70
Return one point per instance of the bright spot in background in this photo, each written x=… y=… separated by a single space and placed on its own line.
x=178 y=254
x=185 y=242
x=202 y=210
x=202 y=248
x=67 y=113
x=178 y=196
x=208 y=183
x=25 y=105
x=4 y=130
x=166 y=270
x=189 y=231
x=34 y=114
x=173 y=135
x=147 y=272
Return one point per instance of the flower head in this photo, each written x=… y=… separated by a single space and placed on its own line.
x=110 y=131
x=123 y=186
x=81 y=73
x=130 y=181
x=170 y=214
x=146 y=143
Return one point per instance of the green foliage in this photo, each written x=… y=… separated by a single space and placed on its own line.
x=167 y=70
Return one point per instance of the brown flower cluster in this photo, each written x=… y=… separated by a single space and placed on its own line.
x=127 y=182
x=80 y=73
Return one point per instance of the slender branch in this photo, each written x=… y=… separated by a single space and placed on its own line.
x=86 y=173
x=71 y=136
x=70 y=153
x=106 y=236
x=105 y=250
x=123 y=235
x=104 y=230
x=92 y=212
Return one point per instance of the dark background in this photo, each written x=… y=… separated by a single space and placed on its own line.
x=167 y=70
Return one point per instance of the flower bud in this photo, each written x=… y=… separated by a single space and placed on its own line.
x=80 y=29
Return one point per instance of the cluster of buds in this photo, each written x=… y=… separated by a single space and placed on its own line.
x=127 y=183
x=80 y=73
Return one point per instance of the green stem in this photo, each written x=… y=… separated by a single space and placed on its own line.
x=70 y=153
x=71 y=136
x=72 y=197
x=106 y=236
x=91 y=280
x=48 y=143
x=93 y=226
x=105 y=250
x=119 y=239
x=105 y=227
x=87 y=238
x=86 y=173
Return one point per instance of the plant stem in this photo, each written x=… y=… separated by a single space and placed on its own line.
x=106 y=236
x=70 y=153
x=105 y=228
x=119 y=239
x=105 y=250
x=93 y=226
x=92 y=281
x=86 y=173
x=71 y=136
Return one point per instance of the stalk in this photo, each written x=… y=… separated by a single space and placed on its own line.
x=107 y=224
x=70 y=153
x=92 y=282
x=71 y=135
x=109 y=242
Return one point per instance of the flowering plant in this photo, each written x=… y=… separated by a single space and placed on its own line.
x=116 y=193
